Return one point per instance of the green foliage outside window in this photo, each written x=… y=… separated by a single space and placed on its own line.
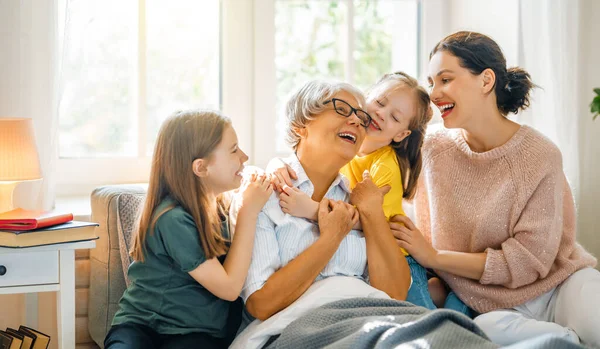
x=310 y=43
x=595 y=105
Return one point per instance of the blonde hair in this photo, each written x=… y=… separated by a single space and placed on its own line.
x=183 y=137
x=408 y=151
x=307 y=102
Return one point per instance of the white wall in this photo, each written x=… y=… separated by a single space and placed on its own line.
x=496 y=18
x=589 y=131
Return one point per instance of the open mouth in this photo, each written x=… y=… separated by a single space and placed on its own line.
x=240 y=172
x=348 y=137
x=374 y=125
x=446 y=109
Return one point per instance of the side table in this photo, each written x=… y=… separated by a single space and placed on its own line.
x=44 y=269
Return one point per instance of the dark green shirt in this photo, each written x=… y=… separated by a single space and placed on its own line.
x=162 y=294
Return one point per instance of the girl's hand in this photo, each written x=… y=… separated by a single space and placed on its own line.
x=336 y=218
x=281 y=174
x=297 y=203
x=410 y=238
x=257 y=190
x=367 y=195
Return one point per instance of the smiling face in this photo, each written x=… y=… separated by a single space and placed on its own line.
x=458 y=93
x=225 y=164
x=336 y=134
x=392 y=111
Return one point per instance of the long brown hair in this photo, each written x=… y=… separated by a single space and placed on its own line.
x=408 y=151
x=183 y=137
x=478 y=52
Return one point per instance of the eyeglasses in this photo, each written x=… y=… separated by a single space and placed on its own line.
x=343 y=108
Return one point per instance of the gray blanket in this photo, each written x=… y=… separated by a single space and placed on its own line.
x=382 y=323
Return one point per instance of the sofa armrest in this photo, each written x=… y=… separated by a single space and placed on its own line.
x=115 y=208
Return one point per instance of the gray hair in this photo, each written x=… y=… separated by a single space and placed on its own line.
x=306 y=103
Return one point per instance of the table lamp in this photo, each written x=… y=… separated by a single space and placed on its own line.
x=19 y=160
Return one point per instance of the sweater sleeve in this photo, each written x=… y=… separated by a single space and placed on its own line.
x=421 y=206
x=531 y=251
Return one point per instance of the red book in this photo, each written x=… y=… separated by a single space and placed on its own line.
x=22 y=220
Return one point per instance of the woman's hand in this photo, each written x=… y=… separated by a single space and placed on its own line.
x=410 y=238
x=469 y=265
x=336 y=219
x=281 y=174
x=256 y=191
x=367 y=195
x=297 y=203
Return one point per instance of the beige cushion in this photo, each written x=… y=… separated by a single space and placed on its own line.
x=115 y=208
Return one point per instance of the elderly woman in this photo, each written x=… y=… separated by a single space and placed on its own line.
x=291 y=253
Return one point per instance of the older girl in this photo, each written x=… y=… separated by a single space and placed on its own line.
x=185 y=272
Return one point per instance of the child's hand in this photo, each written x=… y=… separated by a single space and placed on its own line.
x=297 y=203
x=257 y=190
x=281 y=174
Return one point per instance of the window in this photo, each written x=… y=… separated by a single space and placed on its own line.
x=97 y=110
x=354 y=40
x=182 y=60
x=128 y=65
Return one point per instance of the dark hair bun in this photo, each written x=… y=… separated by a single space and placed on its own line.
x=515 y=93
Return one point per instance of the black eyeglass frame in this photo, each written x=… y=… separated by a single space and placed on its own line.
x=363 y=123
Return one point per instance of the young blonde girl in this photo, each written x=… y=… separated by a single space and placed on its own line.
x=187 y=268
x=391 y=153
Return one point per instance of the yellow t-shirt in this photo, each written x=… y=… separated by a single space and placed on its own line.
x=383 y=167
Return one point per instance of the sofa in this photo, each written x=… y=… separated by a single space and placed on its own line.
x=115 y=208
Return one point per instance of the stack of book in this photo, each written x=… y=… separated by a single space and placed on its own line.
x=23 y=338
x=21 y=228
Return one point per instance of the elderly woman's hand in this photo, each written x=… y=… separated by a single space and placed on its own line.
x=366 y=195
x=336 y=219
x=410 y=238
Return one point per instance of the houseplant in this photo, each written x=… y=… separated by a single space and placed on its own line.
x=595 y=105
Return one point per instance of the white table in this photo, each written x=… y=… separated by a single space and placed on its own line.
x=44 y=269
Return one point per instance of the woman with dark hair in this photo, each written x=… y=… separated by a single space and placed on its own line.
x=494 y=207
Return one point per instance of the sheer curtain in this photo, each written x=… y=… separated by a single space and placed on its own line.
x=548 y=50
x=30 y=70
x=30 y=32
x=556 y=46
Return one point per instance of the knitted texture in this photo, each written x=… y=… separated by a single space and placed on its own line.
x=513 y=202
x=381 y=323
x=128 y=212
x=384 y=323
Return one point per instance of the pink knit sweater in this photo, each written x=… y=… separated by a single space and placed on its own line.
x=513 y=202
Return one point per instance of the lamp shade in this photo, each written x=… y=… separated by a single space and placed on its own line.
x=19 y=160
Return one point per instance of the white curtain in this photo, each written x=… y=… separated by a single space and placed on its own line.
x=548 y=50
x=30 y=33
x=558 y=47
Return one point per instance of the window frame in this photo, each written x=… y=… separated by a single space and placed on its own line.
x=431 y=26
x=248 y=86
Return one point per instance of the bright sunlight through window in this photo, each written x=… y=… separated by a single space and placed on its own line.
x=126 y=67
